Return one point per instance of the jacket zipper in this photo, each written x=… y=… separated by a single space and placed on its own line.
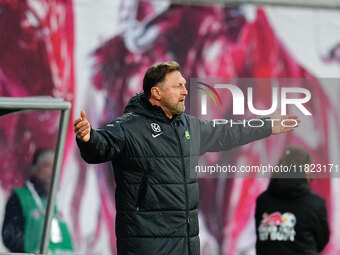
x=185 y=188
x=142 y=191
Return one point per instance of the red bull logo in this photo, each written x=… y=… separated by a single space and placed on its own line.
x=271 y=219
x=277 y=227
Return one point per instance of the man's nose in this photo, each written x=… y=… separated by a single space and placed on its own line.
x=185 y=91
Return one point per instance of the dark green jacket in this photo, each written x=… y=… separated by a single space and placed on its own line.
x=154 y=159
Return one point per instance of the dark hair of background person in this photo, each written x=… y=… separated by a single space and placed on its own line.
x=40 y=157
x=294 y=157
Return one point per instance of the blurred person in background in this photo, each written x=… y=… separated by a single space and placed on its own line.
x=290 y=218
x=25 y=212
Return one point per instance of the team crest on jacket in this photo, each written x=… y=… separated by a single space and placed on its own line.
x=156 y=128
x=277 y=227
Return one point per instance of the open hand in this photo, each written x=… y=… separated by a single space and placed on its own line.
x=283 y=123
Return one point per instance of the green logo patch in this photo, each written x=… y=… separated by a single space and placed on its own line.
x=187 y=135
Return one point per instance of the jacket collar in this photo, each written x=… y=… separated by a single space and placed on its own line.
x=139 y=104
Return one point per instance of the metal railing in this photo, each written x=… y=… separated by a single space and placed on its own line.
x=10 y=105
x=316 y=4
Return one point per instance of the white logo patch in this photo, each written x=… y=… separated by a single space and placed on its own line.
x=155 y=128
x=154 y=135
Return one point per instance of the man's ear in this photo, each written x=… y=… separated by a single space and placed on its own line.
x=156 y=93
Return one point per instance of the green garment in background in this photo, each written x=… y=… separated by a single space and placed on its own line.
x=34 y=223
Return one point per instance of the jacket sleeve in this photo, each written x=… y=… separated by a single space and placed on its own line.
x=321 y=227
x=13 y=225
x=105 y=144
x=225 y=136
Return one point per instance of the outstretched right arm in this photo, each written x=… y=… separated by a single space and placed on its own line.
x=101 y=145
